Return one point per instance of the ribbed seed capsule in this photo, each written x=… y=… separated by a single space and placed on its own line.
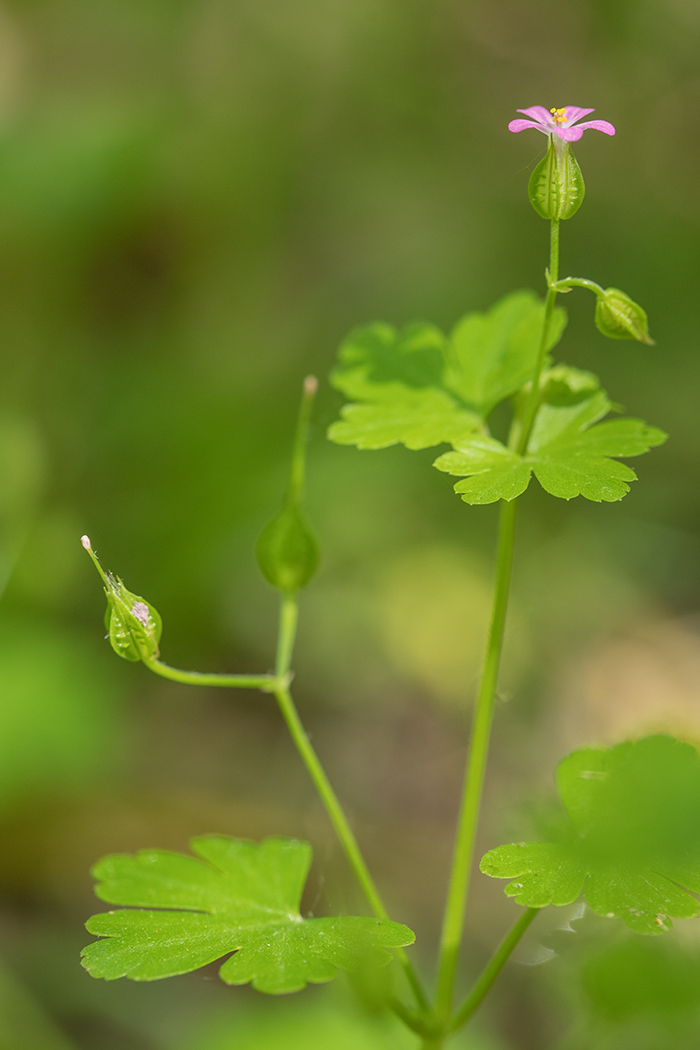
x=619 y=317
x=556 y=187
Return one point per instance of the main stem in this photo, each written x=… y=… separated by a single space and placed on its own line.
x=453 y=923
x=533 y=400
x=476 y=767
x=285 y=645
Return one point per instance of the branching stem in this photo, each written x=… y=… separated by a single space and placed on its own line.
x=266 y=682
x=341 y=825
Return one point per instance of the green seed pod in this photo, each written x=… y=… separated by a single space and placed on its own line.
x=287 y=551
x=556 y=188
x=619 y=317
x=133 y=624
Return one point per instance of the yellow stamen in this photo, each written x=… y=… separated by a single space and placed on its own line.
x=558 y=115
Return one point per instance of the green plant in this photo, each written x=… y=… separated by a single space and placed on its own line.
x=628 y=839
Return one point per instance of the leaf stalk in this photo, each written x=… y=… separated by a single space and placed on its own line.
x=492 y=969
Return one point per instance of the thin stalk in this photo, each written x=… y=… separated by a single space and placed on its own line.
x=533 y=400
x=567 y=283
x=453 y=924
x=285 y=646
x=296 y=479
x=266 y=682
x=492 y=969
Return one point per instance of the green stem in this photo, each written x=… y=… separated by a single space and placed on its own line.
x=285 y=646
x=453 y=924
x=289 y=615
x=533 y=400
x=296 y=479
x=266 y=682
x=492 y=969
x=567 y=283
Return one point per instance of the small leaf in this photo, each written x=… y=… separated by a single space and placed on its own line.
x=417 y=418
x=493 y=354
x=494 y=472
x=398 y=378
x=633 y=839
x=376 y=356
x=418 y=388
x=240 y=897
x=564 y=385
x=570 y=457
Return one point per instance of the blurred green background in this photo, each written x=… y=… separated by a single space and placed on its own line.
x=197 y=199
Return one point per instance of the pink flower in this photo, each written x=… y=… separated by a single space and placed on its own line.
x=558 y=122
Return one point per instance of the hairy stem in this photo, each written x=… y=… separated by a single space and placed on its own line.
x=341 y=825
x=492 y=969
x=453 y=924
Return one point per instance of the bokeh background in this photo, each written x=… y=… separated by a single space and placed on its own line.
x=198 y=198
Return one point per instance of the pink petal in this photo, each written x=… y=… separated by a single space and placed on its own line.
x=538 y=113
x=599 y=125
x=574 y=113
x=520 y=125
x=570 y=134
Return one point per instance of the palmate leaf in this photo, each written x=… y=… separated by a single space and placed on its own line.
x=420 y=388
x=239 y=897
x=493 y=354
x=632 y=840
x=569 y=455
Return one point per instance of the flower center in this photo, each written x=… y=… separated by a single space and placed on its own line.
x=558 y=115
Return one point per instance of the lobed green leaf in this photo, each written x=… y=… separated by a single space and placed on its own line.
x=633 y=842
x=419 y=388
x=493 y=354
x=416 y=418
x=569 y=455
x=493 y=471
x=233 y=896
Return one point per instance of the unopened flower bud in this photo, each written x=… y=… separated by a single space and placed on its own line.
x=556 y=188
x=134 y=625
x=619 y=317
x=287 y=551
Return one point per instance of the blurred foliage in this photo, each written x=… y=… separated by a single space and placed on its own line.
x=630 y=842
x=198 y=199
